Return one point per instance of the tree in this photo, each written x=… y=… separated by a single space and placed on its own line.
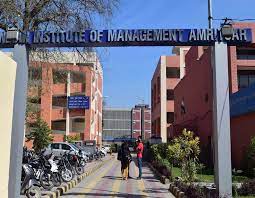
x=72 y=139
x=52 y=15
x=249 y=159
x=40 y=134
x=185 y=150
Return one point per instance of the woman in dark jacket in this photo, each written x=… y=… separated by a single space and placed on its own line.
x=125 y=159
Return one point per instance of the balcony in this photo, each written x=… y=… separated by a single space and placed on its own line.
x=60 y=89
x=60 y=113
x=77 y=125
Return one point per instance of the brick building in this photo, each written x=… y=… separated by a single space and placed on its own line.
x=193 y=97
x=141 y=121
x=169 y=71
x=48 y=85
x=126 y=122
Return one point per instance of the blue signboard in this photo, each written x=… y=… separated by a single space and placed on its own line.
x=78 y=102
x=129 y=37
x=243 y=101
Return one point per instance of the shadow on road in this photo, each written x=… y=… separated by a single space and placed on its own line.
x=115 y=194
x=112 y=177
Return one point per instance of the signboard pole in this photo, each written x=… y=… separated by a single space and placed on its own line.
x=18 y=120
x=221 y=120
x=67 y=109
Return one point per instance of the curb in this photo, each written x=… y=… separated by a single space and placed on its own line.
x=163 y=179
x=175 y=191
x=69 y=185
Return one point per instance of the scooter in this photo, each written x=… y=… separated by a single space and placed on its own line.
x=29 y=185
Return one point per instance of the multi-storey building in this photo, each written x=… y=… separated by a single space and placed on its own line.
x=194 y=97
x=141 y=121
x=51 y=81
x=169 y=71
x=116 y=123
x=126 y=123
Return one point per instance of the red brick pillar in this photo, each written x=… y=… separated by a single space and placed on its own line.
x=46 y=95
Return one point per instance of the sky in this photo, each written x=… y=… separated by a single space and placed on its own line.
x=128 y=70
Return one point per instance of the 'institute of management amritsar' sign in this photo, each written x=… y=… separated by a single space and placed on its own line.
x=126 y=37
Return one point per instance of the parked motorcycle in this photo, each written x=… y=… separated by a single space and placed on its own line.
x=29 y=185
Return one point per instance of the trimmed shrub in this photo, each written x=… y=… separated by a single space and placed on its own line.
x=247 y=188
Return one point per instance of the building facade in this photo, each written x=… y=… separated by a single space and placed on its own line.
x=126 y=123
x=194 y=97
x=116 y=123
x=141 y=121
x=169 y=71
x=51 y=81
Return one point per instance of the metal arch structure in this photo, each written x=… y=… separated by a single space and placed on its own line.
x=124 y=37
x=21 y=42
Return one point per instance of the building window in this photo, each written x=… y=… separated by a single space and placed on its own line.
x=245 y=54
x=170 y=117
x=170 y=94
x=59 y=102
x=158 y=89
x=152 y=102
x=173 y=72
x=154 y=96
x=245 y=78
x=59 y=76
x=78 y=125
x=34 y=76
x=183 y=108
x=77 y=77
x=58 y=125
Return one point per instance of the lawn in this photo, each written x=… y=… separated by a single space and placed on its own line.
x=207 y=177
x=246 y=197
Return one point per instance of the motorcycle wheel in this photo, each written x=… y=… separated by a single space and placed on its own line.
x=46 y=180
x=79 y=169
x=66 y=175
x=56 y=179
x=33 y=192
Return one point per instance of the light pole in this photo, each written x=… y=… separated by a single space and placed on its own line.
x=210 y=14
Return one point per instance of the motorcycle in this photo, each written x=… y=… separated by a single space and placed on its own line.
x=29 y=185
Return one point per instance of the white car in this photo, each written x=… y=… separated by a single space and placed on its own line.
x=103 y=151
x=107 y=147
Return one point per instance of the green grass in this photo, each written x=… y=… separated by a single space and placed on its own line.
x=246 y=197
x=176 y=172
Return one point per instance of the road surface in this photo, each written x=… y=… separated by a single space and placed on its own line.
x=107 y=182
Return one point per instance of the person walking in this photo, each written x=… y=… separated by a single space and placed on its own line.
x=125 y=160
x=139 y=151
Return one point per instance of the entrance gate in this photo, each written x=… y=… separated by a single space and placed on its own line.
x=13 y=99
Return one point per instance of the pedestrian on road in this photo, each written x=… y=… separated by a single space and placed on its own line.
x=139 y=151
x=125 y=160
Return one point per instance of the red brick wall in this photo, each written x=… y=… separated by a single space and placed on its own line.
x=196 y=90
x=49 y=89
x=242 y=130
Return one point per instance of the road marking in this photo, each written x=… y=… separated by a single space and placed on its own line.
x=93 y=183
x=140 y=183
x=116 y=184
